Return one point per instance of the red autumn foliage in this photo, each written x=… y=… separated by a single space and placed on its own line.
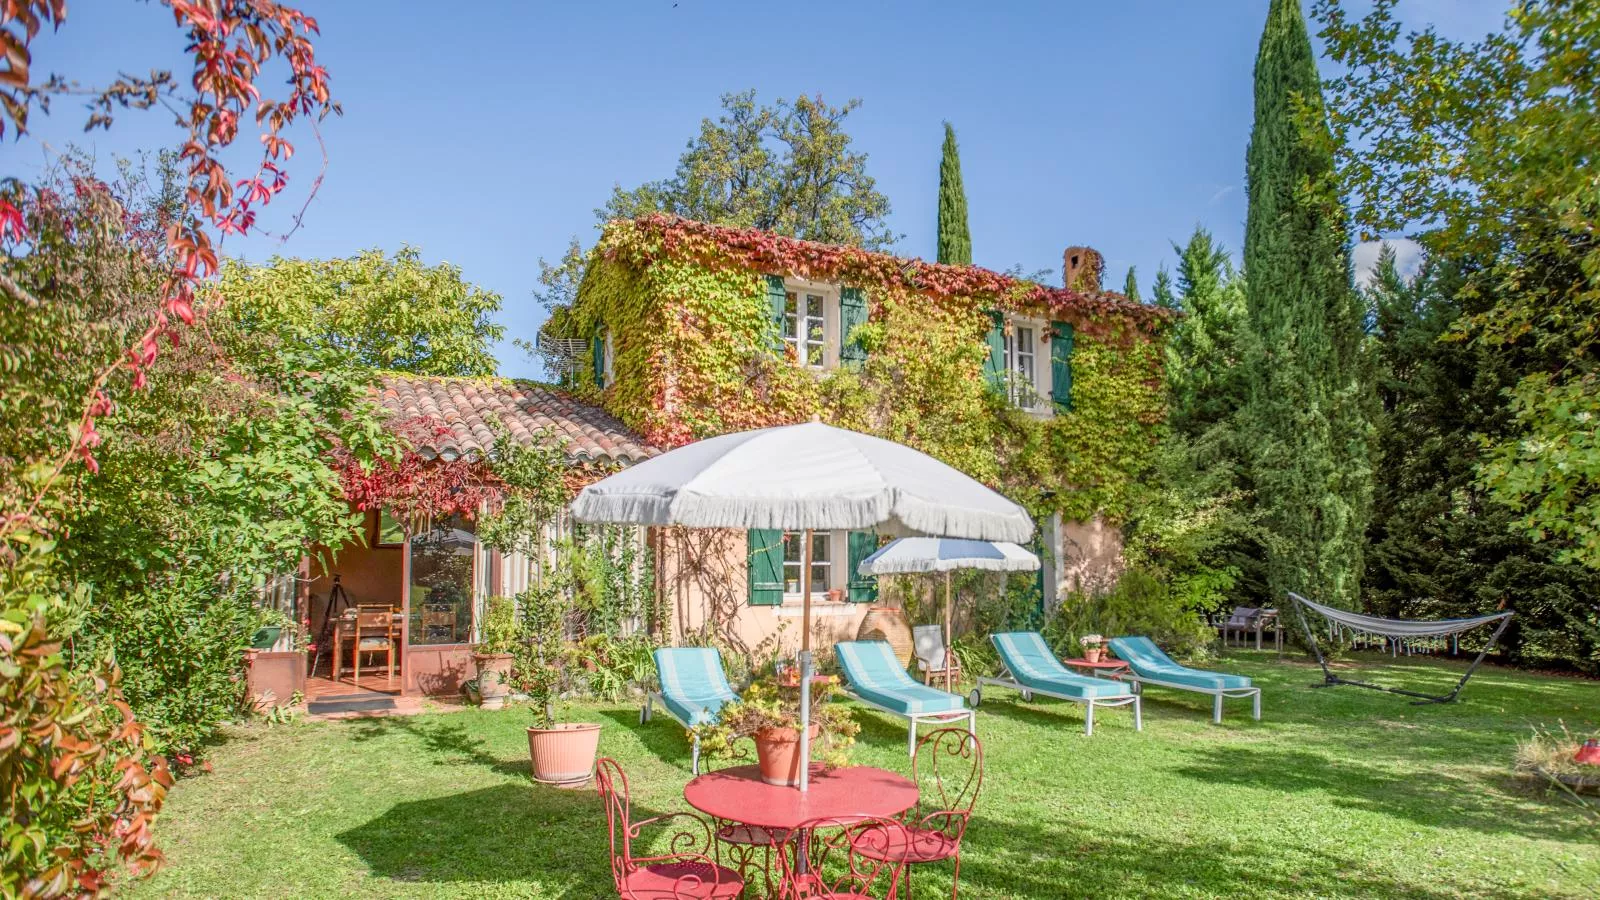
x=718 y=246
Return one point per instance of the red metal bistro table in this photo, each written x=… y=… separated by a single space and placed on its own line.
x=1111 y=667
x=739 y=795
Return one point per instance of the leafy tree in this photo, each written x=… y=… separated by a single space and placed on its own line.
x=1306 y=419
x=1486 y=145
x=80 y=804
x=955 y=241
x=1130 y=286
x=1441 y=545
x=787 y=168
x=389 y=313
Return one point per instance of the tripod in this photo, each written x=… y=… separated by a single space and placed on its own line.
x=337 y=601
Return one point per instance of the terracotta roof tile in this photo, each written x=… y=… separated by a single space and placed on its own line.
x=464 y=407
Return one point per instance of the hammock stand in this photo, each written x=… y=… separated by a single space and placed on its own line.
x=1395 y=630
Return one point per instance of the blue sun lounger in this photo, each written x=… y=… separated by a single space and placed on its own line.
x=877 y=679
x=1148 y=665
x=693 y=689
x=1032 y=669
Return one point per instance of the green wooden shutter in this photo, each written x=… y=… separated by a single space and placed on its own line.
x=776 y=297
x=766 y=566
x=852 y=312
x=1061 y=365
x=995 y=368
x=597 y=352
x=863 y=588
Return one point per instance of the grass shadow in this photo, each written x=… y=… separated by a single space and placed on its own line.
x=447 y=743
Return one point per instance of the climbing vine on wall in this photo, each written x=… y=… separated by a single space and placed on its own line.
x=686 y=307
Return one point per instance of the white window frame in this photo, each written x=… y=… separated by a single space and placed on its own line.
x=838 y=562
x=829 y=293
x=1037 y=370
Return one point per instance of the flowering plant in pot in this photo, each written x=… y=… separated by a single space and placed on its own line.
x=1094 y=647
x=770 y=715
x=493 y=654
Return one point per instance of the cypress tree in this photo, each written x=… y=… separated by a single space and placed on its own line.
x=1163 y=289
x=1306 y=416
x=1130 y=288
x=955 y=241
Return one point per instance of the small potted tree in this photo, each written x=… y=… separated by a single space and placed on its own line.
x=561 y=753
x=493 y=654
x=770 y=715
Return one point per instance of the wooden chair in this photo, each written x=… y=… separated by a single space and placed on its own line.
x=948 y=770
x=685 y=873
x=375 y=633
x=845 y=859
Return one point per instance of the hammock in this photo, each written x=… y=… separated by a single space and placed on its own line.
x=1396 y=630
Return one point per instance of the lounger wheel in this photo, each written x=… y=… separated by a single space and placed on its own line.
x=1027 y=696
x=975 y=698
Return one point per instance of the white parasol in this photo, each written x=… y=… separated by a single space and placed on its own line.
x=803 y=478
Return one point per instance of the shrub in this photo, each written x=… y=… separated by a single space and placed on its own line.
x=1139 y=604
x=78 y=798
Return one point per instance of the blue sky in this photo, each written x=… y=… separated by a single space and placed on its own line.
x=488 y=142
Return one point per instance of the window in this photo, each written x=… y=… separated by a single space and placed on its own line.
x=821 y=561
x=389 y=532
x=1022 y=364
x=804 y=325
x=442 y=582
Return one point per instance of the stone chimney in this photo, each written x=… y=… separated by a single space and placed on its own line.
x=1083 y=269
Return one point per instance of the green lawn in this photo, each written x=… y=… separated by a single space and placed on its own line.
x=1336 y=793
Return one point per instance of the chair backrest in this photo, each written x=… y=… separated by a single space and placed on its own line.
x=373 y=622
x=1026 y=654
x=928 y=645
x=849 y=857
x=612 y=785
x=871 y=664
x=1140 y=652
x=694 y=672
x=948 y=772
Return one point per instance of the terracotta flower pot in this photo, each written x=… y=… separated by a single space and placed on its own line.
x=565 y=753
x=778 y=752
x=1094 y=654
x=494 y=678
x=888 y=623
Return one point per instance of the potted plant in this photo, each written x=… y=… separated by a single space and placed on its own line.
x=1094 y=647
x=561 y=753
x=493 y=654
x=770 y=716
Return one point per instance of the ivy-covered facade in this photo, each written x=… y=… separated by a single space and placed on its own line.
x=1053 y=396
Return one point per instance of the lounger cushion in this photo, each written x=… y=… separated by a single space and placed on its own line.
x=877 y=676
x=1148 y=662
x=693 y=685
x=1030 y=662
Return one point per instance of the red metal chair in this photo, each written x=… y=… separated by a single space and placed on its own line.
x=843 y=859
x=685 y=872
x=948 y=770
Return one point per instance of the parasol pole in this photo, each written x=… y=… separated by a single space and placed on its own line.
x=805 y=662
x=949 y=626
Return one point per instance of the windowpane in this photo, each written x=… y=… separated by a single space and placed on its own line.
x=803 y=326
x=441 y=583
x=821 y=561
